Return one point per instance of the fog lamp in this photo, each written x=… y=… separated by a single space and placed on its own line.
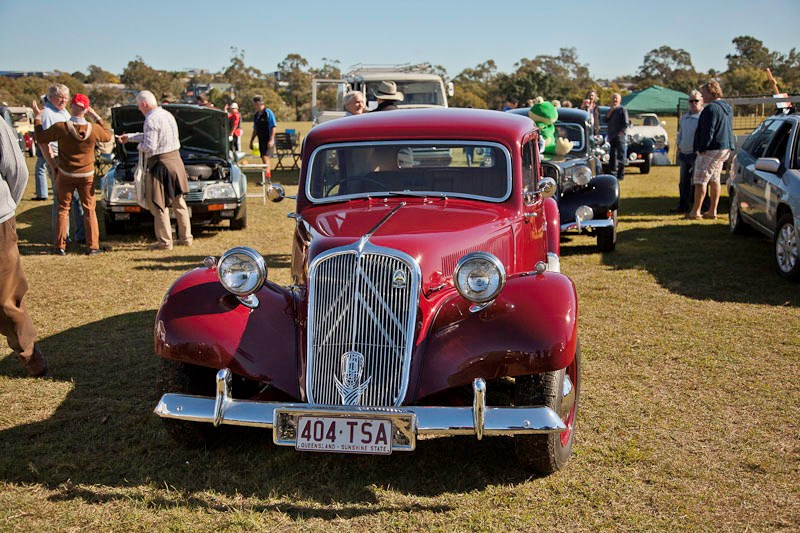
x=584 y=212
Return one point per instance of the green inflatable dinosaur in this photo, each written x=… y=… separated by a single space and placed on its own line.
x=545 y=114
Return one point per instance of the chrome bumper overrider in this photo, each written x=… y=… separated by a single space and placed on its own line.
x=593 y=223
x=408 y=421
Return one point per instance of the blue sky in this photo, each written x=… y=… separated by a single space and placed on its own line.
x=611 y=37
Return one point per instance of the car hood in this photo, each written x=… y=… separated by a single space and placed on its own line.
x=201 y=129
x=648 y=132
x=437 y=233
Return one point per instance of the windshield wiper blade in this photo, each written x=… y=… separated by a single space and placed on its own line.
x=419 y=194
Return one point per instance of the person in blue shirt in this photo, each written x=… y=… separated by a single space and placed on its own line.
x=264 y=128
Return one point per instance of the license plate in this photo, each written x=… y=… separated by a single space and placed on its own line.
x=344 y=435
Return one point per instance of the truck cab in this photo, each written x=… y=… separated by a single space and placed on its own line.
x=420 y=88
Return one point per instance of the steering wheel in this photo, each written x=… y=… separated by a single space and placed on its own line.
x=382 y=186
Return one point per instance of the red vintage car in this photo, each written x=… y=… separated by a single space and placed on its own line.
x=426 y=300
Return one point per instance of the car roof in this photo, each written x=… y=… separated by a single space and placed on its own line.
x=565 y=114
x=435 y=124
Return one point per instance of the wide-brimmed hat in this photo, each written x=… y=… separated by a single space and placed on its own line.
x=387 y=90
x=234 y=106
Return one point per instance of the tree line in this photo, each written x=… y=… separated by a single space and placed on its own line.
x=562 y=76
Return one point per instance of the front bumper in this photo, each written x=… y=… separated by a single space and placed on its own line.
x=580 y=225
x=409 y=422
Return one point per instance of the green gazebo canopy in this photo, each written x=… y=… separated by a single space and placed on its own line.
x=654 y=99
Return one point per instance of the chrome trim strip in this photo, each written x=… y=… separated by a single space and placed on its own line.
x=553 y=262
x=594 y=223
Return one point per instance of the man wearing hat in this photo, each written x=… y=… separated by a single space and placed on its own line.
x=388 y=96
x=76 y=140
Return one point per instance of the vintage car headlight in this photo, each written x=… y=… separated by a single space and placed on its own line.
x=219 y=191
x=123 y=193
x=582 y=175
x=584 y=212
x=242 y=271
x=479 y=277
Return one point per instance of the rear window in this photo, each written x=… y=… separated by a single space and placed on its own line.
x=445 y=169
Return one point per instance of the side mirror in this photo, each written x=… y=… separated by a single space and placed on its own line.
x=276 y=192
x=768 y=164
x=238 y=156
x=451 y=90
x=547 y=187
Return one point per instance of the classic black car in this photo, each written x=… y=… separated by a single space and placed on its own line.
x=217 y=187
x=641 y=145
x=587 y=202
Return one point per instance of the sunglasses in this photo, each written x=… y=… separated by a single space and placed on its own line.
x=693 y=101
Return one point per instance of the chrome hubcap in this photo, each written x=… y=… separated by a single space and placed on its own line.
x=786 y=248
x=733 y=214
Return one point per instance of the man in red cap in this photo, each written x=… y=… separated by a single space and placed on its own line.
x=75 y=169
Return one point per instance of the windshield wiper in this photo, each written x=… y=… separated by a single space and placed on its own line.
x=419 y=194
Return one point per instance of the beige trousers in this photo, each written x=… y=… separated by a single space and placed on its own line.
x=162 y=224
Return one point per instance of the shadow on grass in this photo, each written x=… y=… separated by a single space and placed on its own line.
x=703 y=261
x=104 y=436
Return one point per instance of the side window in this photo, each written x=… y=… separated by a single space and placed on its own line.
x=796 y=158
x=748 y=144
x=763 y=141
x=529 y=169
x=777 y=147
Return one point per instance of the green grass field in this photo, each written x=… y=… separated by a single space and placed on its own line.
x=688 y=413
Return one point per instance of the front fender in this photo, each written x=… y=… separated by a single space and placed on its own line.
x=201 y=323
x=530 y=328
x=601 y=194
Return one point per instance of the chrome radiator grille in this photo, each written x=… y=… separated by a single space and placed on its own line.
x=193 y=196
x=362 y=307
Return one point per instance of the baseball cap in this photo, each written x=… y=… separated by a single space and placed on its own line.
x=234 y=106
x=80 y=100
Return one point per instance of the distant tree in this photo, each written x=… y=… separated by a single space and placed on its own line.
x=98 y=75
x=139 y=76
x=477 y=87
x=327 y=93
x=104 y=98
x=80 y=76
x=751 y=53
x=668 y=67
x=746 y=81
x=295 y=85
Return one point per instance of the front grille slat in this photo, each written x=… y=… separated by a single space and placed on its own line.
x=354 y=307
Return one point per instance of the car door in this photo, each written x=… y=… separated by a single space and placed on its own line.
x=767 y=186
x=745 y=178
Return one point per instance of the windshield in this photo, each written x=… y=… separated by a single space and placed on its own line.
x=470 y=170
x=414 y=92
x=647 y=120
x=573 y=132
x=20 y=117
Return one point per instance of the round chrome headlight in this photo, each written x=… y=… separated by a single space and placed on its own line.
x=584 y=212
x=582 y=175
x=242 y=271
x=479 y=277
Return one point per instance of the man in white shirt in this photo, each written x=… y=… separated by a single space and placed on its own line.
x=686 y=154
x=166 y=181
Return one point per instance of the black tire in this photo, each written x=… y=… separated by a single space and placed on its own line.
x=239 y=221
x=112 y=226
x=645 y=167
x=547 y=453
x=736 y=223
x=785 y=248
x=184 y=378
